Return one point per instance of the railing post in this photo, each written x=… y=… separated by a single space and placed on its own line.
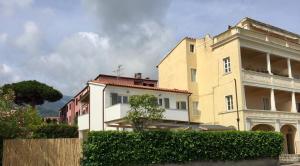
x=289 y=68
x=294 y=107
x=269 y=63
x=273 y=103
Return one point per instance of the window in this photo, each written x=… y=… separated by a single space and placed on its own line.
x=193 y=75
x=298 y=107
x=181 y=105
x=226 y=62
x=266 y=103
x=195 y=108
x=125 y=99
x=167 y=103
x=192 y=48
x=116 y=99
x=229 y=102
x=160 y=102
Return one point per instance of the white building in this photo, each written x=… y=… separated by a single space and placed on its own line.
x=105 y=104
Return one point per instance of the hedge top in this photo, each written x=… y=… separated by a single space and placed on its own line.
x=143 y=148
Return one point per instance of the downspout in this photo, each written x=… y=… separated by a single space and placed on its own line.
x=103 y=107
x=237 y=106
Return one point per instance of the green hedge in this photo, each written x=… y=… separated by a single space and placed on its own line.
x=56 y=131
x=1 y=149
x=131 y=148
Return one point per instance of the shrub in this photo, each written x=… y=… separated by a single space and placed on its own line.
x=151 y=147
x=56 y=131
x=1 y=149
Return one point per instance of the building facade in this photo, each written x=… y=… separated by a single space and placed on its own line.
x=247 y=77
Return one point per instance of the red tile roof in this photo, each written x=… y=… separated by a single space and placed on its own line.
x=125 y=84
x=129 y=80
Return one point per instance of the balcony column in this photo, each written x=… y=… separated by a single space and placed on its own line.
x=273 y=104
x=289 y=68
x=277 y=125
x=269 y=63
x=294 y=106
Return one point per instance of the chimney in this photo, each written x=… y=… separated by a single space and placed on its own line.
x=138 y=75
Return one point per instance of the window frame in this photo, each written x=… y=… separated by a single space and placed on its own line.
x=195 y=110
x=192 y=48
x=229 y=102
x=193 y=78
x=167 y=103
x=226 y=65
x=180 y=104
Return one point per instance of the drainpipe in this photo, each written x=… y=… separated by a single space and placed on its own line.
x=237 y=106
x=103 y=107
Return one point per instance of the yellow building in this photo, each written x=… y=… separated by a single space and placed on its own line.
x=263 y=60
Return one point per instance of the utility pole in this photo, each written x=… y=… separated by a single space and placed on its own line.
x=237 y=106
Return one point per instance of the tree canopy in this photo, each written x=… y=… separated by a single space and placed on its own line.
x=143 y=109
x=33 y=92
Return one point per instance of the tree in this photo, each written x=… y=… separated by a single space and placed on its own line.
x=33 y=93
x=143 y=110
x=16 y=121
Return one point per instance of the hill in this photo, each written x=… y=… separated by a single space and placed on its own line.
x=51 y=109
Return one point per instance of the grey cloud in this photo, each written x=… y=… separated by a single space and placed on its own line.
x=8 y=7
x=131 y=33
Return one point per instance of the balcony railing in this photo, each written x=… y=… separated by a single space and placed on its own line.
x=271 y=114
x=120 y=111
x=267 y=80
x=257 y=35
x=83 y=122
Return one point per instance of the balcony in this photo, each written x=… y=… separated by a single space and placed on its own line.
x=259 y=36
x=83 y=122
x=119 y=111
x=268 y=70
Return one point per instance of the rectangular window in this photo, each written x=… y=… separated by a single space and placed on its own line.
x=160 y=102
x=192 y=48
x=116 y=99
x=298 y=107
x=193 y=75
x=167 y=103
x=226 y=62
x=266 y=103
x=196 y=108
x=125 y=99
x=181 y=105
x=229 y=102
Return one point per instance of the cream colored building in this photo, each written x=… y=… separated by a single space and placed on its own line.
x=265 y=62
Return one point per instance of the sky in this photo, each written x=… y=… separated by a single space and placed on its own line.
x=66 y=43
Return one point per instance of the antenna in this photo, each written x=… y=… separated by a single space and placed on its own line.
x=118 y=71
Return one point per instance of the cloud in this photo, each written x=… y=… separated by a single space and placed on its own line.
x=3 y=37
x=31 y=38
x=8 y=7
x=134 y=36
x=7 y=74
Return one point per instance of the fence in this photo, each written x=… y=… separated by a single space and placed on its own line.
x=42 y=152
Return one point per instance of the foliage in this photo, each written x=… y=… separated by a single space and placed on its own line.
x=152 y=147
x=56 y=131
x=15 y=121
x=33 y=92
x=144 y=109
